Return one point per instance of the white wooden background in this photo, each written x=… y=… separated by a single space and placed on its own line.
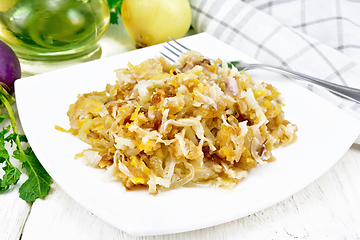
x=329 y=208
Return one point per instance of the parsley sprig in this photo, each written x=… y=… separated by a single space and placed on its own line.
x=115 y=10
x=38 y=183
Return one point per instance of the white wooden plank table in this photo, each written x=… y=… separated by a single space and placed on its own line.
x=329 y=208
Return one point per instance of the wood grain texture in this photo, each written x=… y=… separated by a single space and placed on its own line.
x=326 y=209
x=13 y=215
x=13 y=210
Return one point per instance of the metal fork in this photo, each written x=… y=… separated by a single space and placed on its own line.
x=350 y=93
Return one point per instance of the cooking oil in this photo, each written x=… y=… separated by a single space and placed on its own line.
x=53 y=30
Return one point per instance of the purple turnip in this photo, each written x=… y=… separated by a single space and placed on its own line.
x=10 y=69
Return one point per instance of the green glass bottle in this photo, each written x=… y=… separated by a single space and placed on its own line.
x=52 y=32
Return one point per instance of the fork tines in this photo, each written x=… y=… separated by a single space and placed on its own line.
x=174 y=50
x=178 y=43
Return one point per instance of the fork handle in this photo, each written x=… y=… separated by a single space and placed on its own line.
x=343 y=91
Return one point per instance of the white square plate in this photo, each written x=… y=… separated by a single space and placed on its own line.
x=325 y=134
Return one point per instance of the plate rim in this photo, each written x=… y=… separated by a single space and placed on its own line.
x=130 y=228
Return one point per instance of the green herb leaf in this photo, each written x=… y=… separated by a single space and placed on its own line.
x=236 y=64
x=11 y=138
x=38 y=183
x=12 y=174
x=115 y=10
x=114 y=3
x=4 y=155
x=114 y=18
x=2 y=117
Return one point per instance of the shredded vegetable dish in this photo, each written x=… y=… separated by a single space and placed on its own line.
x=196 y=122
